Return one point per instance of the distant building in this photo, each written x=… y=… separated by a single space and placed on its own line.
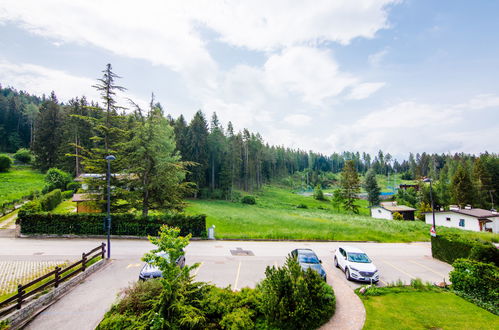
x=85 y=203
x=467 y=219
x=386 y=209
x=407 y=186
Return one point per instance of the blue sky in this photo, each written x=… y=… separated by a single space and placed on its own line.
x=402 y=76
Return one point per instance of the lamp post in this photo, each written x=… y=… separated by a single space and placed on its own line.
x=108 y=218
x=433 y=231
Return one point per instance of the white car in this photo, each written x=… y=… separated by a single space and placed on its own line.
x=356 y=264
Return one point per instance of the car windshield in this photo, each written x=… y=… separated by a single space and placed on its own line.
x=308 y=259
x=358 y=257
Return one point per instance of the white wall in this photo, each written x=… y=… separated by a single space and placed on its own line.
x=381 y=213
x=470 y=223
x=494 y=225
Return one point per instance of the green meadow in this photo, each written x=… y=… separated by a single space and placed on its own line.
x=19 y=181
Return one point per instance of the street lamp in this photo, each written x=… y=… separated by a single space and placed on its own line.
x=108 y=218
x=433 y=231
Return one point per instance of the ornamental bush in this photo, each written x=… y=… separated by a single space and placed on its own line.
x=67 y=194
x=477 y=279
x=23 y=155
x=56 y=179
x=248 y=199
x=51 y=200
x=5 y=163
x=450 y=247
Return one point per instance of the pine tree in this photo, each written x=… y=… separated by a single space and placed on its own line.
x=350 y=187
x=462 y=187
x=198 y=149
x=372 y=188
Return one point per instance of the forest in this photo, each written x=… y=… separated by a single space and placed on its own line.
x=76 y=135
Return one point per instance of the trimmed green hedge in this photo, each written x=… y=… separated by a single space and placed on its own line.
x=50 y=200
x=450 y=247
x=478 y=280
x=122 y=224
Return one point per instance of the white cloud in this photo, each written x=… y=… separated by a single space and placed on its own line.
x=376 y=58
x=482 y=101
x=364 y=90
x=298 y=120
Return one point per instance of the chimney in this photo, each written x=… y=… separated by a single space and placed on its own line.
x=467 y=207
x=454 y=207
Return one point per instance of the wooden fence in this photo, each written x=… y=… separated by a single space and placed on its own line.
x=54 y=278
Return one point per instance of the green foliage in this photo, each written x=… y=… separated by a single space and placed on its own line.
x=23 y=155
x=67 y=194
x=450 y=247
x=289 y=296
x=407 y=197
x=30 y=207
x=5 y=163
x=20 y=183
x=56 y=179
x=422 y=208
x=477 y=279
x=74 y=186
x=302 y=206
x=350 y=187
x=397 y=216
x=248 y=199
x=50 y=201
x=462 y=187
x=372 y=188
x=318 y=194
x=122 y=224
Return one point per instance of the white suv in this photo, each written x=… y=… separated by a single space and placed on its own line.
x=356 y=264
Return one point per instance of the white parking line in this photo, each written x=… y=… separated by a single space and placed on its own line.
x=428 y=268
x=237 y=276
x=197 y=269
x=400 y=270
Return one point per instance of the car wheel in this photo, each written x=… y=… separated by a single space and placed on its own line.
x=336 y=263
x=347 y=274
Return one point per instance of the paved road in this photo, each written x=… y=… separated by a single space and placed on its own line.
x=221 y=262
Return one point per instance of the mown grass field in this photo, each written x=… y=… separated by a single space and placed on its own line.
x=276 y=216
x=18 y=182
x=425 y=310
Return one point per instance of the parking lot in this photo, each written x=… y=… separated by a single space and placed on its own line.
x=242 y=264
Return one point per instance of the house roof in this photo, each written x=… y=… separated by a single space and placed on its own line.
x=394 y=207
x=476 y=213
x=84 y=197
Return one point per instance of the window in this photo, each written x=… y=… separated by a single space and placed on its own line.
x=448 y=219
x=461 y=222
x=379 y=211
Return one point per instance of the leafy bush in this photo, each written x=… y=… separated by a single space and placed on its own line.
x=74 y=186
x=397 y=216
x=5 y=163
x=23 y=155
x=450 y=247
x=477 y=279
x=51 y=200
x=248 y=199
x=289 y=296
x=30 y=207
x=122 y=224
x=302 y=206
x=67 y=194
x=56 y=179
x=318 y=194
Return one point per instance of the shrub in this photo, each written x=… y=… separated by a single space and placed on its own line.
x=30 y=207
x=450 y=247
x=5 y=163
x=397 y=216
x=67 y=194
x=56 y=179
x=51 y=200
x=139 y=297
x=23 y=155
x=122 y=224
x=74 y=186
x=302 y=206
x=290 y=295
x=318 y=194
x=477 y=279
x=248 y=199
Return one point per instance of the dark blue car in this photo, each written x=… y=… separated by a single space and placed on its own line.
x=308 y=259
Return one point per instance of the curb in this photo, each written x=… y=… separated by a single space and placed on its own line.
x=20 y=318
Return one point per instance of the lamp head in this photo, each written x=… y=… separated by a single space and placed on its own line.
x=110 y=157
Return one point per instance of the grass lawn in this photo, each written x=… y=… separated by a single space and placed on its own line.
x=275 y=216
x=18 y=182
x=425 y=310
x=67 y=206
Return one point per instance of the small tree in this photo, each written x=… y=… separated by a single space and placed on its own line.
x=318 y=194
x=372 y=188
x=56 y=179
x=337 y=199
x=397 y=216
x=5 y=163
x=462 y=187
x=422 y=208
x=23 y=155
x=350 y=187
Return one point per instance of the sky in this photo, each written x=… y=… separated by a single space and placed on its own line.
x=328 y=76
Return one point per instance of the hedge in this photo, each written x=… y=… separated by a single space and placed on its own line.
x=450 y=247
x=122 y=224
x=50 y=200
x=478 y=280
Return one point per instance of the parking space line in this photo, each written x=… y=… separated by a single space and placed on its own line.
x=400 y=270
x=428 y=268
x=237 y=276
x=197 y=269
x=384 y=283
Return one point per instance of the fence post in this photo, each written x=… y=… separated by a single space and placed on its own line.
x=57 y=277
x=20 y=293
x=83 y=261
x=103 y=250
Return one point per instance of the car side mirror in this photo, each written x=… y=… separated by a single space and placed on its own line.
x=320 y=261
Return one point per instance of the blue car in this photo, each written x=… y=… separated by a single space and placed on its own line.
x=308 y=259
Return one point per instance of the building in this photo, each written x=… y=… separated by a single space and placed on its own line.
x=386 y=209
x=467 y=219
x=85 y=203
